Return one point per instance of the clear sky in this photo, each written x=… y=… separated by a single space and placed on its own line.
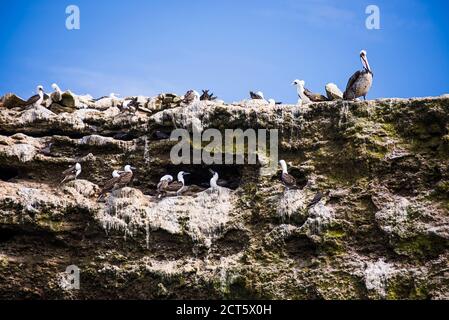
x=229 y=46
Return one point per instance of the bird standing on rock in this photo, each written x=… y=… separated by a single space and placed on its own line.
x=110 y=184
x=288 y=180
x=214 y=179
x=163 y=184
x=299 y=84
x=256 y=95
x=125 y=177
x=36 y=100
x=361 y=81
x=206 y=96
x=71 y=173
x=190 y=97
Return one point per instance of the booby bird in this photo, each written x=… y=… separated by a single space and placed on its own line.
x=71 y=173
x=206 y=96
x=178 y=186
x=190 y=97
x=299 y=84
x=256 y=95
x=288 y=180
x=37 y=99
x=214 y=179
x=360 y=82
x=125 y=177
x=56 y=96
x=314 y=97
x=315 y=200
x=163 y=184
x=110 y=184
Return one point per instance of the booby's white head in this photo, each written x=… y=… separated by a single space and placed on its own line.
x=78 y=169
x=128 y=168
x=181 y=175
x=283 y=166
x=40 y=90
x=299 y=83
x=167 y=177
x=115 y=174
x=56 y=87
x=364 y=59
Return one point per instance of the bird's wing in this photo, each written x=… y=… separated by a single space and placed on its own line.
x=110 y=184
x=125 y=178
x=161 y=186
x=353 y=79
x=70 y=170
x=315 y=97
x=288 y=179
x=32 y=99
x=174 y=186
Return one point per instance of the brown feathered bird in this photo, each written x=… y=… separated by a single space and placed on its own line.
x=125 y=178
x=190 y=97
x=288 y=180
x=315 y=97
x=110 y=184
x=206 y=96
x=256 y=95
x=163 y=185
x=71 y=173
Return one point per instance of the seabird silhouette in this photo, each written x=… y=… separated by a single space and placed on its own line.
x=71 y=173
x=125 y=177
x=206 y=96
x=37 y=99
x=361 y=81
x=256 y=95
x=288 y=180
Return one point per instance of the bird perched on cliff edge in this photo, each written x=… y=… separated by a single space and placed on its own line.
x=288 y=180
x=110 y=184
x=37 y=99
x=256 y=95
x=125 y=177
x=214 y=180
x=163 y=184
x=206 y=96
x=190 y=97
x=56 y=96
x=299 y=84
x=71 y=173
x=315 y=97
x=361 y=81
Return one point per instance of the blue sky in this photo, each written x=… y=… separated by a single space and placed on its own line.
x=151 y=46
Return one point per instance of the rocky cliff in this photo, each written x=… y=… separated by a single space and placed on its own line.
x=381 y=231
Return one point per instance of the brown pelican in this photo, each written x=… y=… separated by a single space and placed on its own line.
x=190 y=97
x=288 y=180
x=256 y=95
x=360 y=82
x=110 y=184
x=163 y=184
x=71 y=173
x=37 y=99
x=206 y=96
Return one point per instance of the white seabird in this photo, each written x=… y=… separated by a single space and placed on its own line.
x=213 y=180
x=299 y=84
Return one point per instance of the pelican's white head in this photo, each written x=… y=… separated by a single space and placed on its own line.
x=55 y=87
x=283 y=166
x=115 y=174
x=364 y=59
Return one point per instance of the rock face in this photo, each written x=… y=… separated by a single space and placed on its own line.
x=380 y=232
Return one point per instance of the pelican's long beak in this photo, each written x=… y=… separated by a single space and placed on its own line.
x=365 y=63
